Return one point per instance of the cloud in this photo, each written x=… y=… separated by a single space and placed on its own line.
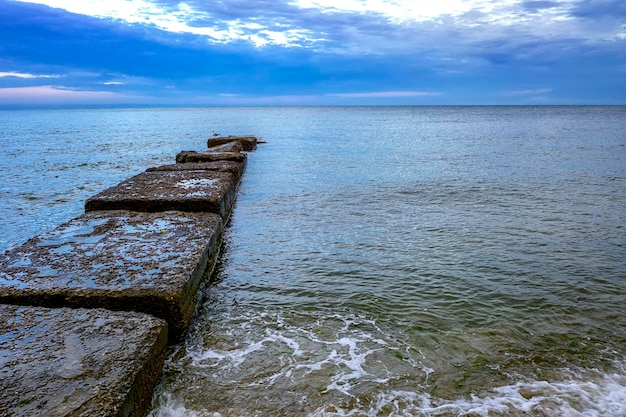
x=348 y=25
x=536 y=91
x=314 y=51
x=26 y=75
x=540 y=5
x=386 y=94
x=47 y=95
x=190 y=18
x=615 y=9
x=277 y=100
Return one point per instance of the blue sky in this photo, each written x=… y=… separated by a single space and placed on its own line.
x=312 y=52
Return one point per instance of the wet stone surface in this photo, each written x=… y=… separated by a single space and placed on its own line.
x=234 y=146
x=122 y=260
x=65 y=362
x=192 y=191
x=247 y=142
x=207 y=156
x=235 y=168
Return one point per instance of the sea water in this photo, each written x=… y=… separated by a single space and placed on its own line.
x=380 y=261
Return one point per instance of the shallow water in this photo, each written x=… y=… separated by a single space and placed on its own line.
x=380 y=261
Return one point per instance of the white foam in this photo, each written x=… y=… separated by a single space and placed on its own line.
x=349 y=366
x=234 y=357
x=237 y=355
x=337 y=346
x=354 y=361
x=605 y=397
x=173 y=408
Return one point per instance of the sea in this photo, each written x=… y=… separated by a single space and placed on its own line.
x=379 y=261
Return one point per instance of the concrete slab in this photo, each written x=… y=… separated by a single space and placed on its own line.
x=234 y=146
x=207 y=156
x=196 y=191
x=65 y=362
x=119 y=260
x=248 y=142
x=235 y=168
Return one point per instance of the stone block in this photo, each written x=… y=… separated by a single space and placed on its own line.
x=195 y=191
x=193 y=156
x=153 y=263
x=234 y=146
x=80 y=363
x=235 y=168
x=247 y=142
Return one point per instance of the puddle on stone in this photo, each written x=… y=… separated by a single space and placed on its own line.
x=74 y=233
x=46 y=272
x=73 y=355
x=62 y=250
x=196 y=183
x=15 y=281
x=24 y=262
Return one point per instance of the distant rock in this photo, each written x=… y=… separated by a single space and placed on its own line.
x=234 y=146
x=193 y=156
x=248 y=142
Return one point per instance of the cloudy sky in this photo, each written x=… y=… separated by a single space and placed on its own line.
x=310 y=52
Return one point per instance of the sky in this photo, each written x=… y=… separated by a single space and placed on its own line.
x=311 y=52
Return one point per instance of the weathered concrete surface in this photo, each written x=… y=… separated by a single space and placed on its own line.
x=248 y=142
x=65 y=362
x=147 y=262
x=234 y=146
x=198 y=191
x=193 y=156
x=235 y=168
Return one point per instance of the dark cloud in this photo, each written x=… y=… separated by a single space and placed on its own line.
x=526 y=50
x=38 y=34
x=540 y=5
x=47 y=39
x=591 y=9
x=327 y=30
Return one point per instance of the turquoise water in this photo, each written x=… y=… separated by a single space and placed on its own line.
x=380 y=261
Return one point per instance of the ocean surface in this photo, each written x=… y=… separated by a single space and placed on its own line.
x=380 y=261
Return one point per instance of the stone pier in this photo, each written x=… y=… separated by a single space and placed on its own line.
x=87 y=309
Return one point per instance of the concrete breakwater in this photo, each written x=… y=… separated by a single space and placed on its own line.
x=88 y=309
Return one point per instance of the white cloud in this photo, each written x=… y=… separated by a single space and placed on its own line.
x=529 y=92
x=26 y=75
x=47 y=94
x=408 y=22
x=408 y=10
x=387 y=94
x=144 y=12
